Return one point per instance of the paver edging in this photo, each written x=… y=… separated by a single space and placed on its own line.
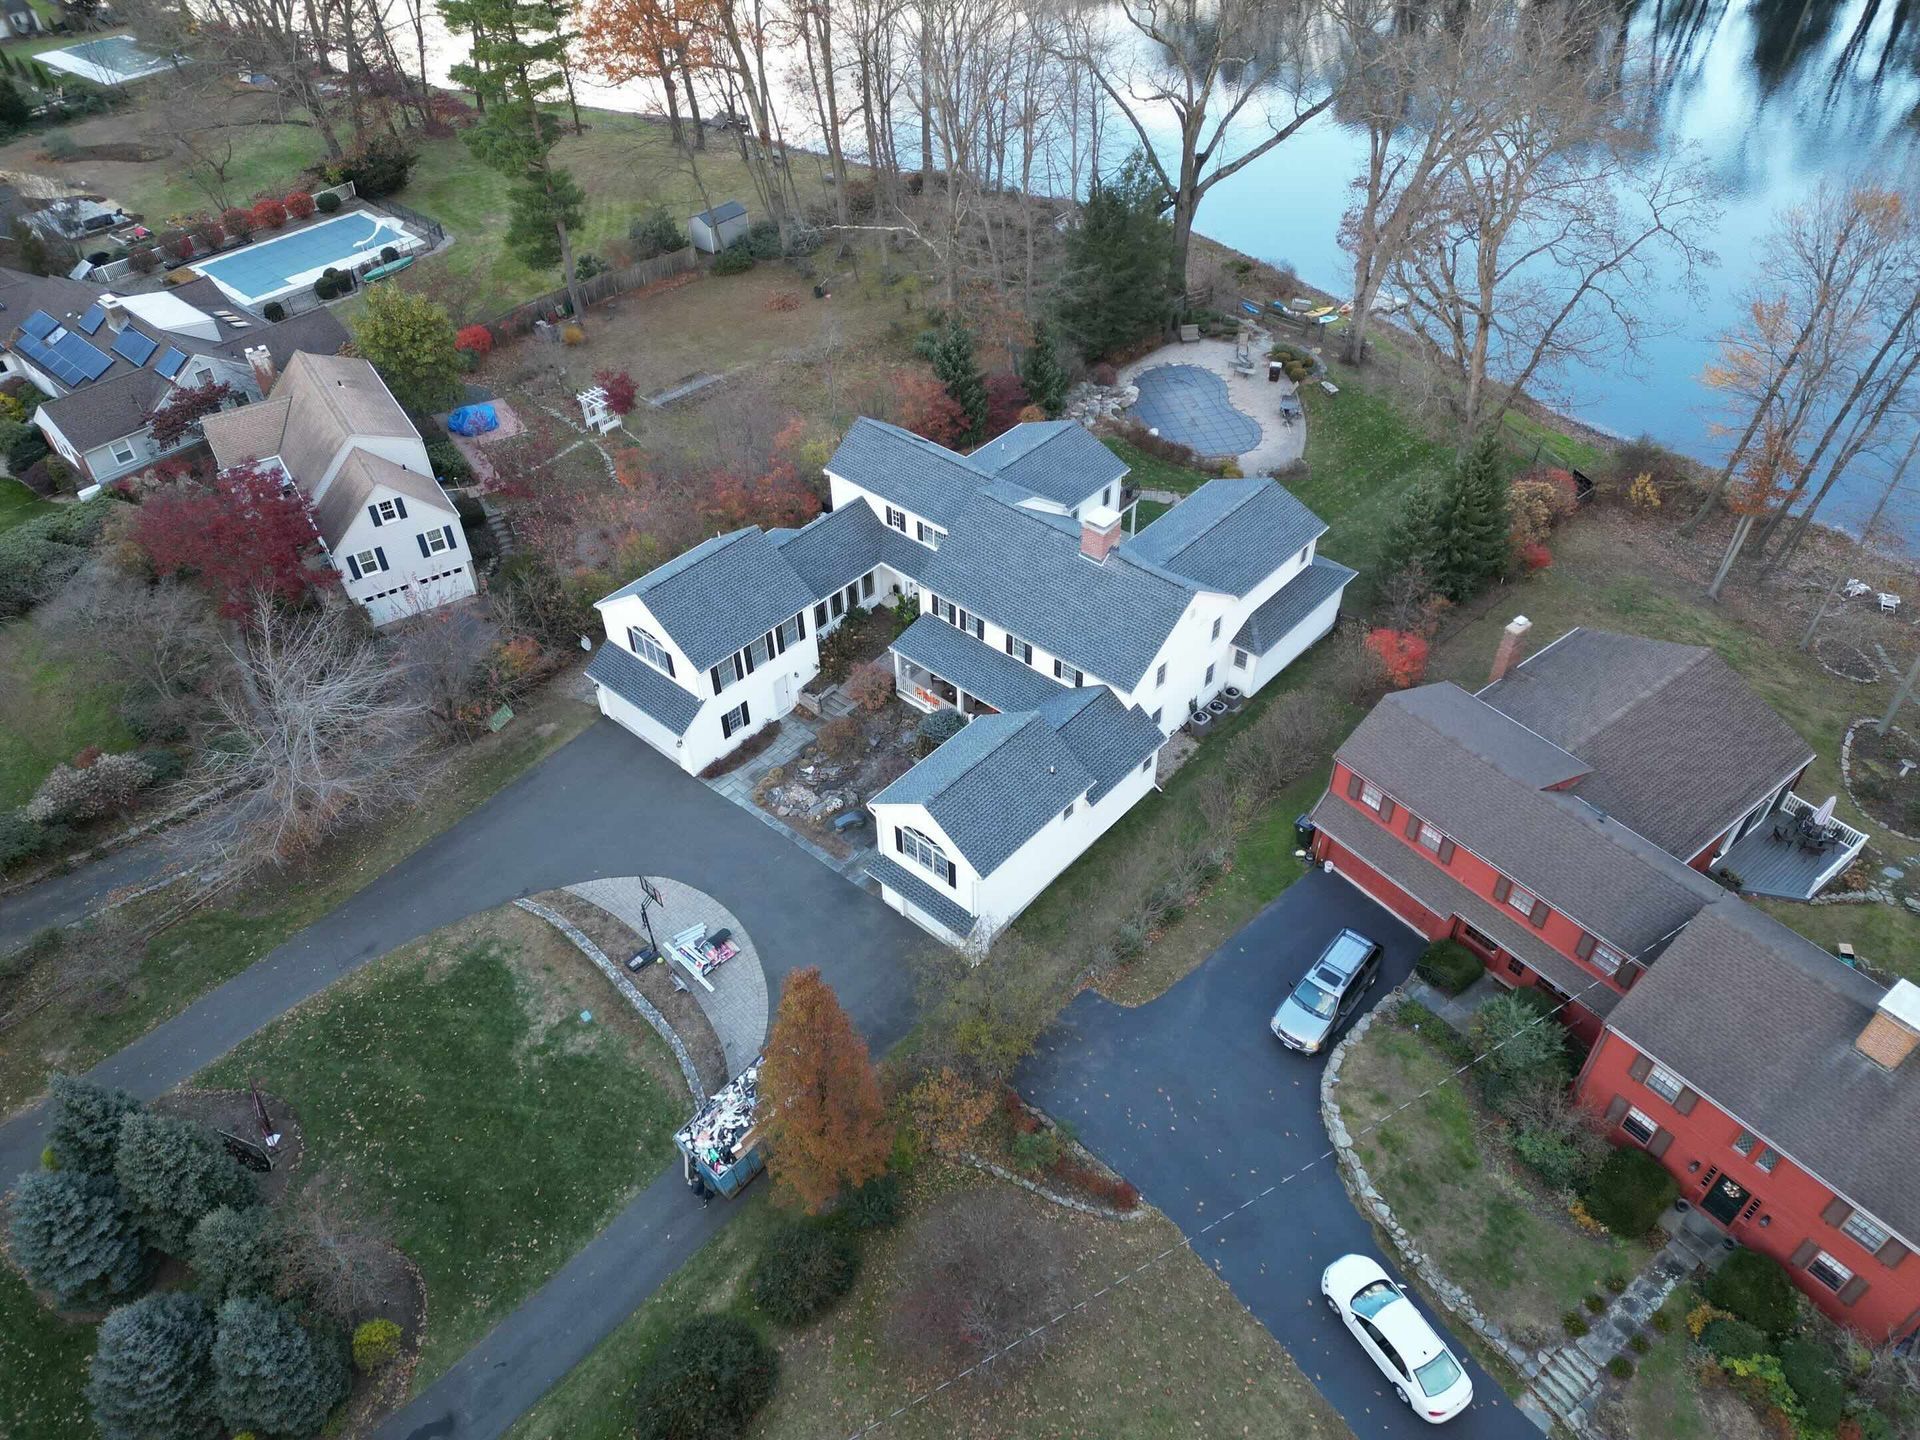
x=1369 y=1200
x=1085 y=1207
x=626 y=987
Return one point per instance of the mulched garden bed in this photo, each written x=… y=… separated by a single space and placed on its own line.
x=1026 y=1140
x=834 y=775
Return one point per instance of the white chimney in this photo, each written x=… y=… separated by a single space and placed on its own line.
x=264 y=374
x=1513 y=640
x=1894 y=1031
x=116 y=313
x=1099 y=533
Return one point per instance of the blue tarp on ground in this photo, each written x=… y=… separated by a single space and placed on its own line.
x=473 y=420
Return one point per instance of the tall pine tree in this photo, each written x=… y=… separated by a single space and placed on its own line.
x=84 y=1129
x=75 y=1236
x=1457 y=531
x=151 y=1377
x=953 y=361
x=1043 y=374
x=826 y=1124
x=519 y=66
x=271 y=1373
x=1115 y=290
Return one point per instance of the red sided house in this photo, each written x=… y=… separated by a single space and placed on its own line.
x=1560 y=823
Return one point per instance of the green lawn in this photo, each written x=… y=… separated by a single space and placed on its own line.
x=1663 y=1398
x=43 y=1367
x=1149 y=472
x=454 y=1085
x=1145 y=512
x=18 y=504
x=266 y=157
x=51 y=707
x=1175 y=1354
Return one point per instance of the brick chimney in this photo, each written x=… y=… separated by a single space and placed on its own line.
x=264 y=373
x=1513 y=642
x=1894 y=1031
x=1099 y=533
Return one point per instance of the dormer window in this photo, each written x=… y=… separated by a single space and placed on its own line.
x=649 y=649
x=1019 y=649
x=1067 y=675
x=897 y=519
x=928 y=536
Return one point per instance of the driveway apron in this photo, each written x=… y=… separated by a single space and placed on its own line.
x=1194 y=1101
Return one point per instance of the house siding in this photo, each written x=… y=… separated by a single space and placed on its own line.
x=412 y=583
x=1792 y=1203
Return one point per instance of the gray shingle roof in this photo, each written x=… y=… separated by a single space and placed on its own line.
x=1762 y=1022
x=1055 y=458
x=834 y=549
x=107 y=409
x=725 y=210
x=937 y=903
x=722 y=594
x=917 y=475
x=644 y=687
x=1229 y=534
x=1434 y=888
x=1024 y=570
x=992 y=786
x=1109 y=737
x=1276 y=616
x=998 y=679
x=1594 y=870
x=1680 y=746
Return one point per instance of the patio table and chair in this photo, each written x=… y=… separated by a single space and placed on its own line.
x=1813 y=830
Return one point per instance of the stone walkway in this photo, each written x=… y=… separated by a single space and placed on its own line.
x=737 y=1006
x=1567 y=1384
x=797 y=731
x=1281 y=446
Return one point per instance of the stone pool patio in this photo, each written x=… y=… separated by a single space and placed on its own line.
x=1280 y=446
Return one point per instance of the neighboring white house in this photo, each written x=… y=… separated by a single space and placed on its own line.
x=714 y=230
x=109 y=361
x=332 y=427
x=1079 y=648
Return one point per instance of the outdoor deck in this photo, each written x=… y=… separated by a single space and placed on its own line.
x=1783 y=867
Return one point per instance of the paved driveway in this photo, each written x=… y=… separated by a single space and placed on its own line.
x=1198 y=1105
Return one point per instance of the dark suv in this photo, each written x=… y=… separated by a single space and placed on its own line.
x=1328 y=994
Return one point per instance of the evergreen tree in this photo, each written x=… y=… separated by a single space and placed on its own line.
x=84 y=1122
x=173 y=1172
x=14 y=109
x=75 y=1235
x=953 y=362
x=826 y=1124
x=151 y=1372
x=271 y=1373
x=1043 y=374
x=1470 y=546
x=1115 y=289
x=231 y=1253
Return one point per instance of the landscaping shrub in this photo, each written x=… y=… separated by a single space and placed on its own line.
x=84 y=1122
x=174 y=1172
x=710 y=1377
x=1557 y=1161
x=842 y=738
x=1038 y=1151
x=803 y=1270
x=477 y=338
x=376 y=1345
x=1628 y=1192
x=622 y=393
x=1663 y=1321
x=152 y=1369
x=1620 y=1367
x=450 y=467
x=49 y=475
x=762 y=240
x=37 y=558
x=1809 y=1369
x=379 y=166
x=74 y=1235
x=299 y=204
x=1104 y=374
x=874 y=1205
x=736 y=261
x=586 y=265
x=103 y=788
x=1449 y=966
x=870 y=686
x=1574 y=1323
x=274 y=311
x=1755 y=1288
x=656 y=233
x=572 y=334
x=937 y=728
x=1639 y=1343
x=231 y=1253
x=269 y=214
x=273 y=1374
x=162 y=765
x=22 y=839
x=1594 y=1303
x=26 y=448
x=326 y=202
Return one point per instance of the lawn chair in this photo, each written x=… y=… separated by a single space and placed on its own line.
x=1889 y=603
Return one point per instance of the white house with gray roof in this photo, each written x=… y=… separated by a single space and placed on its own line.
x=1082 y=648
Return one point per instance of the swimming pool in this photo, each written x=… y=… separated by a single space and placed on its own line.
x=110 y=60
x=287 y=263
x=1191 y=407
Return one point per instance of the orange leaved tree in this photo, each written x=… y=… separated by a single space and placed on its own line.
x=826 y=1124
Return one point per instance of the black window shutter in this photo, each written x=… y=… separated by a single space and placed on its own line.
x=380 y=554
x=1413 y=826
x=749 y=654
x=399 y=507
x=1502 y=887
x=800 y=621
x=1387 y=807
x=353 y=567
x=1446 y=852
x=451 y=542
x=899 y=839
x=953 y=876
x=1585 y=947
x=745 y=717
x=780 y=638
x=669 y=659
x=726 y=725
x=819 y=614
x=374 y=512
x=1009 y=642
x=717 y=685
x=421 y=541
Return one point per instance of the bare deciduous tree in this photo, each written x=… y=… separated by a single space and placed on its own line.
x=332 y=1253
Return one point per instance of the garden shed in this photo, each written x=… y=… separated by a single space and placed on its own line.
x=714 y=230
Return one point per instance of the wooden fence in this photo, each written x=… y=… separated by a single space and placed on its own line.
x=521 y=319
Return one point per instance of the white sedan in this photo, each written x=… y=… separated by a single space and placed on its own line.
x=1415 y=1360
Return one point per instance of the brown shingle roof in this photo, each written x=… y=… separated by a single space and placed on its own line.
x=1762 y=1023
x=250 y=433
x=1679 y=744
x=108 y=409
x=1475 y=774
x=332 y=399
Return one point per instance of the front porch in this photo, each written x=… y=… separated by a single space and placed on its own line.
x=927 y=692
x=936 y=667
x=1785 y=855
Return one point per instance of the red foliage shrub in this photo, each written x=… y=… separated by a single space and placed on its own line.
x=1006 y=398
x=240 y=223
x=299 y=204
x=270 y=214
x=181 y=247
x=622 y=393
x=920 y=403
x=241 y=536
x=1535 y=557
x=1403 y=654
x=212 y=234
x=178 y=416
x=1103 y=374
x=86 y=759
x=477 y=338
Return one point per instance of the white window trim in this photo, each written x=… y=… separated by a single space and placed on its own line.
x=1605 y=958
x=438 y=540
x=1516 y=894
x=388 y=510
x=1635 y=1115
x=1664 y=1083
x=648 y=647
x=1370 y=795
x=1821 y=1257
x=1240 y=658
x=933 y=860
x=369 y=562
x=1430 y=837
x=1877 y=1234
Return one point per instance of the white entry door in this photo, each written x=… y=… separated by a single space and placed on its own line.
x=782 y=695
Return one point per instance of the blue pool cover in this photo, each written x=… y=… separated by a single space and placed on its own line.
x=274 y=266
x=1190 y=407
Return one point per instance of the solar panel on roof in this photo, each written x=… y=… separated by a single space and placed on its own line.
x=91 y=321
x=132 y=346
x=84 y=357
x=170 y=362
x=39 y=324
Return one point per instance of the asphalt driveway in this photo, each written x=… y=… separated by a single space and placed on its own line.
x=1194 y=1101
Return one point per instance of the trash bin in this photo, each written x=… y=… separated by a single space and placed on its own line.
x=1273 y=372
x=1303 y=830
